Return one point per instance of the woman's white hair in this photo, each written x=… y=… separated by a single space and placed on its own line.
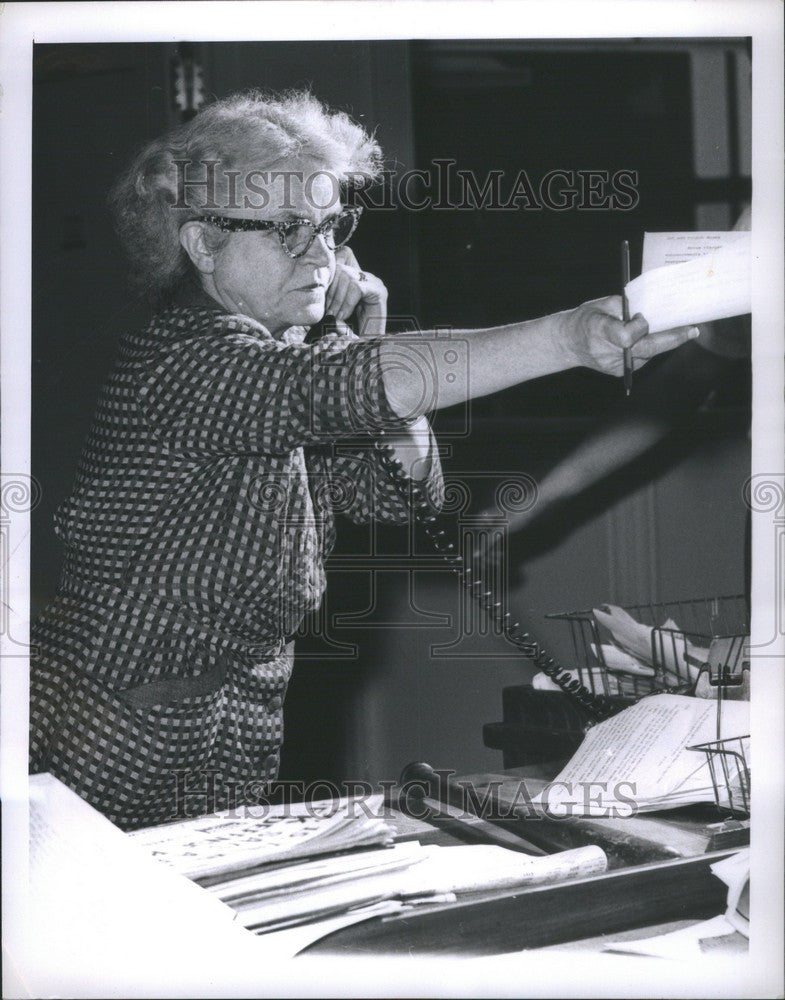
x=190 y=169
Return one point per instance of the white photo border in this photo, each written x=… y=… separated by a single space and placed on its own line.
x=21 y=25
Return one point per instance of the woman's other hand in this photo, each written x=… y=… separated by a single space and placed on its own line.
x=356 y=291
x=597 y=335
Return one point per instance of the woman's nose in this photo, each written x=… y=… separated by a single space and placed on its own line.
x=319 y=252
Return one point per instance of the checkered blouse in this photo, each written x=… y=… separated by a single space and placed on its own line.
x=195 y=540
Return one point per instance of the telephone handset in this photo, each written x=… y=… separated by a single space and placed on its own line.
x=437 y=529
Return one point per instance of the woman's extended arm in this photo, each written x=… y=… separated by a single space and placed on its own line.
x=429 y=371
x=432 y=370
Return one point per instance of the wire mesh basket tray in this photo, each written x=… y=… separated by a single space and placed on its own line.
x=696 y=645
x=730 y=773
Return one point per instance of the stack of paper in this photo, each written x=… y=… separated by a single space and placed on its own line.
x=640 y=761
x=286 y=896
x=256 y=835
x=96 y=897
x=105 y=920
x=321 y=864
x=283 y=897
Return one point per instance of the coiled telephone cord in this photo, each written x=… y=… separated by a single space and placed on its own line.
x=436 y=528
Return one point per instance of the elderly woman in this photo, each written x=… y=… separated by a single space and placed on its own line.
x=202 y=512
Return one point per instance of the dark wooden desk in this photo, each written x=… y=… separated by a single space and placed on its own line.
x=648 y=837
x=659 y=872
x=545 y=915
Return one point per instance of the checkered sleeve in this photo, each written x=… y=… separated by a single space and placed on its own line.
x=361 y=488
x=237 y=390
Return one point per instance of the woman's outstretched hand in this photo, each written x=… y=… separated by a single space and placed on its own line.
x=597 y=335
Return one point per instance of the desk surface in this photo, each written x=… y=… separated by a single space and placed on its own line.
x=495 y=923
x=650 y=883
x=648 y=837
x=90 y=898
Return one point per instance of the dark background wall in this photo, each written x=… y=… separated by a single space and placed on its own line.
x=391 y=670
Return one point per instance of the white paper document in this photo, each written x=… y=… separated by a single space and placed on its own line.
x=106 y=920
x=735 y=873
x=282 y=897
x=692 y=278
x=234 y=840
x=725 y=932
x=639 y=760
x=684 y=944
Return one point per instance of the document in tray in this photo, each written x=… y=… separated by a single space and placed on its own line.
x=639 y=761
x=691 y=278
x=256 y=835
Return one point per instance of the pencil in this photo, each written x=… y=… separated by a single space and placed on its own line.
x=625 y=280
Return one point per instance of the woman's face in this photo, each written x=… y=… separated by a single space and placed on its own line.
x=254 y=276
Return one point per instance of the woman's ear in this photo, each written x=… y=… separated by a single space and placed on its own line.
x=194 y=244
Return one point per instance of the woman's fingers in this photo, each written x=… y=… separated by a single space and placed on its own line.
x=347 y=296
x=605 y=336
x=635 y=334
x=632 y=331
x=343 y=294
x=657 y=343
x=356 y=291
x=332 y=294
